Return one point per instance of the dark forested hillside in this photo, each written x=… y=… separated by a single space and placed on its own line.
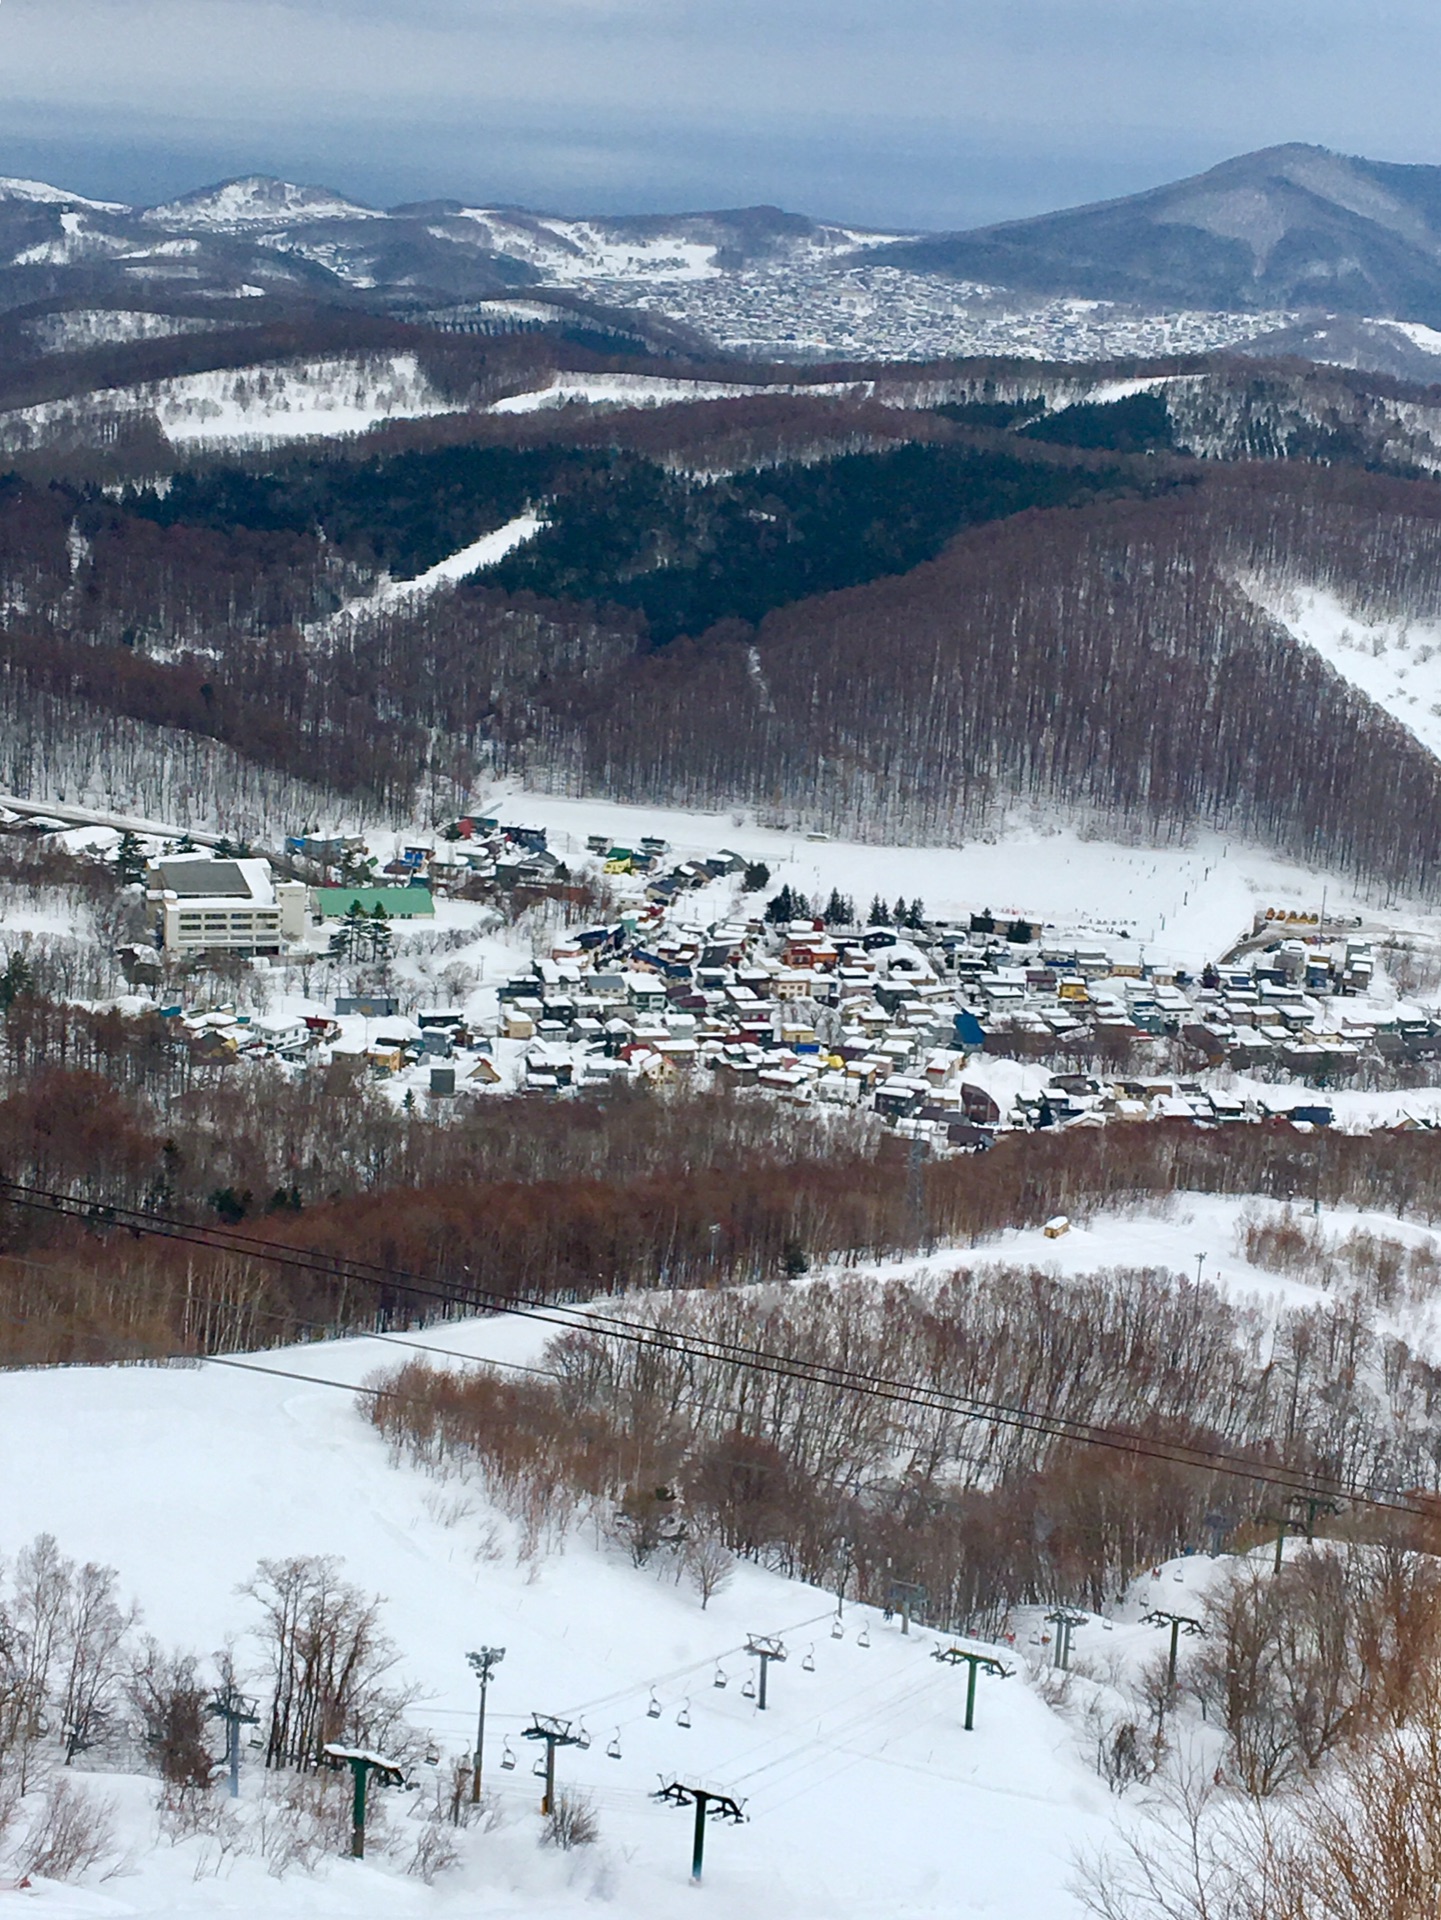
x=892 y=615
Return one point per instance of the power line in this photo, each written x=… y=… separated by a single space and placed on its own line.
x=823 y=1374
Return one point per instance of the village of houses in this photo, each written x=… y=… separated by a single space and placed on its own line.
x=949 y=1030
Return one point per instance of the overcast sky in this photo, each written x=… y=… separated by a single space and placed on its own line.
x=938 y=113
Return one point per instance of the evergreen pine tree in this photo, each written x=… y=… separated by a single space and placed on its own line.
x=129 y=860
x=880 y=914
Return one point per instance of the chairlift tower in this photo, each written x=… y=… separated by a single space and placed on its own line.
x=709 y=1805
x=1179 y=1623
x=765 y=1648
x=977 y=1663
x=907 y=1595
x=555 y=1733
x=364 y=1766
x=237 y=1711
x=1065 y=1620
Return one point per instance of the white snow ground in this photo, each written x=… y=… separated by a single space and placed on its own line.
x=1181 y=904
x=1396 y=663
x=475 y=558
x=258 y=405
x=865 y=1793
x=651 y=390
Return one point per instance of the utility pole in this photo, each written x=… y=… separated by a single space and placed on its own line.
x=765 y=1648
x=1065 y=1620
x=232 y=1706
x=555 y=1733
x=907 y=1594
x=1179 y=1623
x=482 y=1665
x=978 y=1663
x=363 y=1766
x=709 y=1805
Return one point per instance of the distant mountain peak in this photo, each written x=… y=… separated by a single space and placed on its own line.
x=257 y=200
x=41 y=193
x=1290 y=228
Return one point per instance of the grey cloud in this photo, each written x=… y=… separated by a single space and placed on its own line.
x=924 y=112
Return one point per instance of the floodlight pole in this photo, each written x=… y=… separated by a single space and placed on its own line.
x=482 y=1664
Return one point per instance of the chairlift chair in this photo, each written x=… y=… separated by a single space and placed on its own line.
x=652 y=1712
x=507 y=1758
x=720 y=1678
x=838 y=1632
x=539 y=1768
x=682 y=1719
x=748 y=1691
x=613 y=1745
x=808 y=1665
x=863 y=1638
x=582 y=1738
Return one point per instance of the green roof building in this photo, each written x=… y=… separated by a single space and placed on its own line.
x=400 y=903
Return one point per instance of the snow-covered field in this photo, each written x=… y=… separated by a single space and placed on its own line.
x=85 y=327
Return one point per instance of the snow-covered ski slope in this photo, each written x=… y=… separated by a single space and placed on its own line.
x=263 y=405
x=866 y=1795
x=1396 y=663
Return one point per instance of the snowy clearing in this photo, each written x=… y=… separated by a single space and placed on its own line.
x=259 y=405
x=1396 y=663
x=485 y=552
x=86 y=327
x=652 y=390
x=1179 y=903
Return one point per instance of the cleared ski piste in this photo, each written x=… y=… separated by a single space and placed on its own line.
x=1181 y=905
x=865 y=1795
